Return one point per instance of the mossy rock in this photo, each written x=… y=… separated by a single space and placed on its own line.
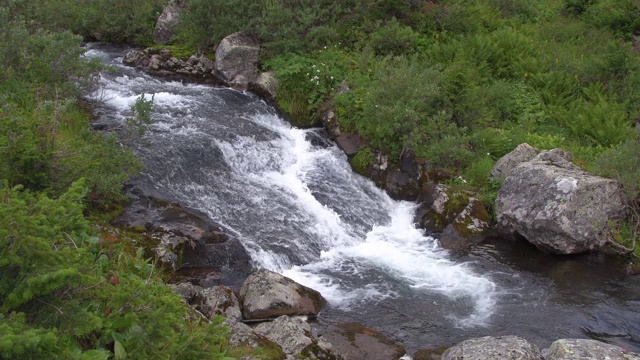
x=439 y=206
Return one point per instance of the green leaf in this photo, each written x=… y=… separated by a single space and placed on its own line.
x=96 y=355
x=119 y=351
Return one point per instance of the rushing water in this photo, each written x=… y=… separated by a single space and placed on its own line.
x=292 y=200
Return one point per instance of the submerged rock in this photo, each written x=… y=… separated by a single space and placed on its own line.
x=488 y=347
x=355 y=341
x=268 y=295
x=557 y=206
x=577 y=349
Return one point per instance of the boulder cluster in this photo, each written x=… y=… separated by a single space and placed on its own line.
x=271 y=312
x=235 y=65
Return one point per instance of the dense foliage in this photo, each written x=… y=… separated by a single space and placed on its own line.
x=461 y=82
x=70 y=288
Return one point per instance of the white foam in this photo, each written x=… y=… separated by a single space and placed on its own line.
x=404 y=252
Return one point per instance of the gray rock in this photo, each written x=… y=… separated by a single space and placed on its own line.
x=503 y=348
x=205 y=64
x=349 y=143
x=244 y=336
x=329 y=120
x=173 y=230
x=237 y=60
x=155 y=63
x=401 y=186
x=268 y=295
x=523 y=152
x=220 y=300
x=408 y=163
x=187 y=290
x=578 y=349
x=133 y=57
x=265 y=85
x=354 y=341
x=557 y=206
x=292 y=334
x=468 y=228
x=167 y=22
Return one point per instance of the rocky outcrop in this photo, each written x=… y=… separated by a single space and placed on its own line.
x=354 y=341
x=237 y=60
x=180 y=237
x=268 y=295
x=160 y=62
x=469 y=227
x=523 y=152
x=577 y=349
x=167 y=22
x=503 y=347
x=557 y=206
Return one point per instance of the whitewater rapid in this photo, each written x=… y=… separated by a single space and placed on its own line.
x=294 y=204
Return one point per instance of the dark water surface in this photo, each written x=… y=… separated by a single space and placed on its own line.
x=299 y=210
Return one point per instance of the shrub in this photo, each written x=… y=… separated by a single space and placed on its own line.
x=206 y=22
x=392 y=38
x=623 y=163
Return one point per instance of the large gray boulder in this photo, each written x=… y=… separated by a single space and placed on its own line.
x=503 y=348
x=237 y=60
x=523 y=152
x=578 y=349
x=557 y=206
x=268 y=295
x=167 y=21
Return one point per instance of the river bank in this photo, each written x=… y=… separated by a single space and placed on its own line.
x=433 y=322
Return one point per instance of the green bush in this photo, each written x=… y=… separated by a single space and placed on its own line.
x=206 y=22
x=61 y=294
x=306 y=81
x=392 y=38
x=623 y=163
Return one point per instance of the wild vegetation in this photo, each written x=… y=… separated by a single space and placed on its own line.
x=71 y=287
x=461 y=82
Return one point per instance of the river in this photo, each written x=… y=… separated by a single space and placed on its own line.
x=292 y=200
